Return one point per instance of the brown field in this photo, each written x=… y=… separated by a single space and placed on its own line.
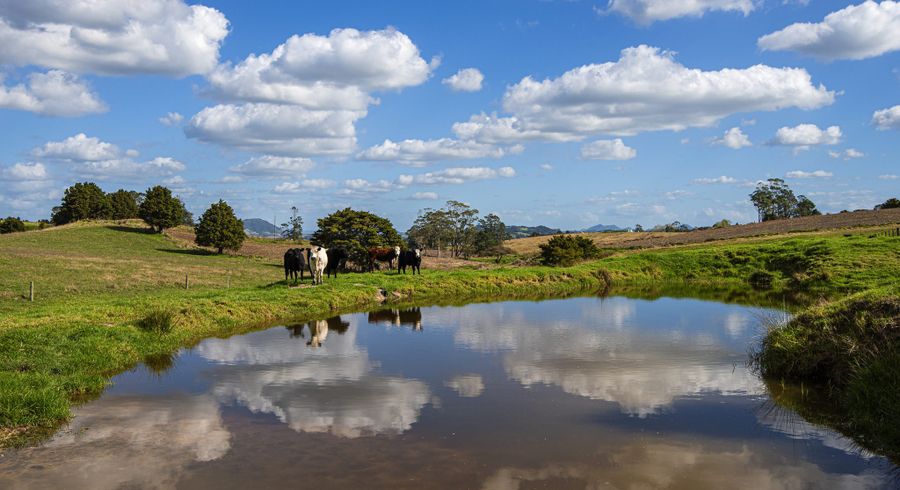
x=526 y=246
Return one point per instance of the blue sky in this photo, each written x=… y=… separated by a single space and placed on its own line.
x=564 y=113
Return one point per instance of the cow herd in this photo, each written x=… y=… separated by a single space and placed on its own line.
x=319 y=261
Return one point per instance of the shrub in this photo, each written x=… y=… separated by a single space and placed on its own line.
x=157 y=320
x=11 y=225
x=761 y=279
x=220 y=228
x=565 y=250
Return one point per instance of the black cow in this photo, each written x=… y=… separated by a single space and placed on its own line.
x=337 y=257
x=410 y=258
x=296 y=260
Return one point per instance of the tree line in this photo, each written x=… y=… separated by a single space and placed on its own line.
x=457 y=230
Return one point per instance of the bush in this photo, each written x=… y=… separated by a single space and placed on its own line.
x=220 y=228
x=11 y=225
x=565 y=250
x=157 y=320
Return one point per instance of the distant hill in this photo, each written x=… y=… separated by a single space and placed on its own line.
x=600 y=228
x=260 y=227
x=519 y=231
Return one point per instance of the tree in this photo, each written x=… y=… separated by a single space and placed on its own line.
x=160 y=209
x=463 y=218
x=432 y=230
x=356 y=232
x=293 y=229
x=188 y=218
x=891 y=203
x=123 y=204
x=490 y=235
x=220 y=228
x=11 y=225
x=722 y=224
x=638 y=227
x=775 y=200
x=565 y=250
x=805 y=207
x=84 y=200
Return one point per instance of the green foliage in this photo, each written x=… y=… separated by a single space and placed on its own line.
x=293 y=229
x=220 y=228
x=775 y=200
x=356 y=232
x=452 y=227
x=123 y=204
x=84 y=200
x=157 y=320
x=11 y=225
x=891 y=203
x=431 y=230
x=566 y=250
x=490 y=235
x=722 y=224
x=160 y=209
x=761 y=279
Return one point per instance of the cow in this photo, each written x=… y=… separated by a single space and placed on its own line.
x=337 y=257
x=296 y=260
x=318 y=332
x=410 y=316
x=318 y=261
x=410 y=258
x=383 y=255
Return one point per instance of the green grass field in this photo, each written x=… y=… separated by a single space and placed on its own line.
x=109 y=296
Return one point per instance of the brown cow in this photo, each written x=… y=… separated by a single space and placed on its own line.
x=383 y=255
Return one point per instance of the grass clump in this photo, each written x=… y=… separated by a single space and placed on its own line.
x=157 y=320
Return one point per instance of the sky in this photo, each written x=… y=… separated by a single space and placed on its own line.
x=562 y=113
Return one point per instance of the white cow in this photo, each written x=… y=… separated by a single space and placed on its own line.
x=318 y=260
x=318 y=332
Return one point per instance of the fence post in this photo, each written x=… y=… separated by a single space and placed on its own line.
x=31 y=292
x=186 y=284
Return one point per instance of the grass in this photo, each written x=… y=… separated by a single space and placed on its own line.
x=109 y=296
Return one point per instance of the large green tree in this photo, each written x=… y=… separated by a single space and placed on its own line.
x=160 y=209
x=84 y=200
x=432 y=230
x=463 y=217
x=220 y=228
x=774 y=199
x=123 y=204
x=356 y=232
x=491 y=234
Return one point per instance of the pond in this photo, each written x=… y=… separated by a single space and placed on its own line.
x=574 y=393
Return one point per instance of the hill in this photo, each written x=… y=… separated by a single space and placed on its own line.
x=521 y=231
x=601 y=228
x=261 y=227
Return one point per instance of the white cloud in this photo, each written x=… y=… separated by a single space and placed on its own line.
x=424 y=196
x=81 y=147
x=326 y=72
x=887 y=118
x=171 y=119
x=25 y=172
x=419 y=152
x=734 y=138
x=546 y=166
x=466 y=385
x=363 y=186
x=465 y=80
x=277 y=129
x=127 y=168
x=716 y=180
x=607 y=150
x=855 y=32
x=647 y=90
x=493 y=129
x=648 y=11
x=274 y=166
x=816 y=174
x=114 y=37
x=847 y=154
x=175 y=180
x=54 y=93
x=888 y=177
x=458 y=175
x=802 y=136
x=304 y=185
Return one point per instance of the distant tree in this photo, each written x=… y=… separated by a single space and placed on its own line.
x=775 y=200
x=722 y=224
x=463 y=218
x=805 y=207
x=84 y=200
x=490 y=235
x=123 y=204
x=891 y=203
x=160 y=209
x=220 y=228
x=293 y=229
x=638 y=227
x=565 y=250
x=187 y=219
x=356 y=232
x=432 y=229
x=11 y=225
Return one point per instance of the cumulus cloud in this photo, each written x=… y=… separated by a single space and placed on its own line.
x=54 y=93
x=458 y=175
x=546 y=166
x=419 y=152
x=424 y=196
x=734 y=138
x=171 y=119
x=802 y=136
x=816 y=174
x=887 y=118
x=118 y=38
x=465 y=80
x=607 y=150
x=847 y=154
x=658 y=93
x=277 y=129
x=888 y=177
x=25 y=171
x=303 y=186
x=855 y=32
x=716 y=180
x=466 y=385
x=80 y=147
x=646 y=12
x=274 y=166
x=104 y=160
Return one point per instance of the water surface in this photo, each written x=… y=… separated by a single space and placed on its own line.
x=575 y=393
